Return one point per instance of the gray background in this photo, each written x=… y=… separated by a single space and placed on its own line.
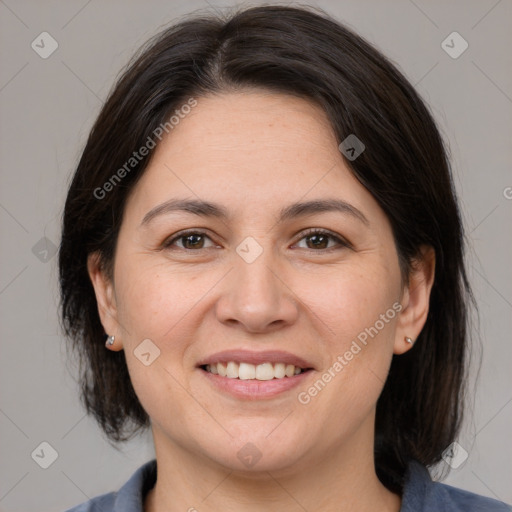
x=48 y=106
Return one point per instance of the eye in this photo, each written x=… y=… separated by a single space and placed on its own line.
x=190 y=240
x=316 y=239
x=319 y=239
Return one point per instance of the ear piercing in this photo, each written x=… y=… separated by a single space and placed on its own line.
x=407 y=339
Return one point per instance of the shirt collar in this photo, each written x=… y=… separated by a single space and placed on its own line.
x=130 y=498
x=417 y=486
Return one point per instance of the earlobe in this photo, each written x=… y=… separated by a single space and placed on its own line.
x=415 y=301
x=105 y=297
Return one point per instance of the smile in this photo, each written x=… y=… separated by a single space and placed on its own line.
x=248 y=371
x=254 y=375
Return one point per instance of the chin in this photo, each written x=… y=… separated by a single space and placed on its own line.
x=256 y=455
x=251 y=462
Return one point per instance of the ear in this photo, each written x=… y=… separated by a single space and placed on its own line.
x=415 y=299
x=105 y=297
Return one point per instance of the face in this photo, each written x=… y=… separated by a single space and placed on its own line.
x=267 y=282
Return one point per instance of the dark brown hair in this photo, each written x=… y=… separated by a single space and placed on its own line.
x=404 y=166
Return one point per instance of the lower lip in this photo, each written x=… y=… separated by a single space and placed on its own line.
x=253 y=389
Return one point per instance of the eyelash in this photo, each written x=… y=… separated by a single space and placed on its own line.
x=313 y=231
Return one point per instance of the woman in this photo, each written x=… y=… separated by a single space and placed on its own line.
x=264 y=230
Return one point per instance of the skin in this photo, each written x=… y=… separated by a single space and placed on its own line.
x=255 y=152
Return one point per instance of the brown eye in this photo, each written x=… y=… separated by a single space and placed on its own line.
x=192 y=241
x=320 y=239
x=188 y=241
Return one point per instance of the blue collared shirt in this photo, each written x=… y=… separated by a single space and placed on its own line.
x=420 y=494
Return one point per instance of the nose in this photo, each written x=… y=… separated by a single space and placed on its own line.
x=256 y=296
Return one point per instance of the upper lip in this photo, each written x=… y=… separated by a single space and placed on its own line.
x=247 y=356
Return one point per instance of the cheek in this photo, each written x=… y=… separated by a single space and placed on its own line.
x=154 y=300
x=154 y=306
x=352 y=300
x=359 y=354
x=360 y=309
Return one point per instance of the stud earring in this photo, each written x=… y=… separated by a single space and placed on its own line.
x=110 y=341
x=409 y=340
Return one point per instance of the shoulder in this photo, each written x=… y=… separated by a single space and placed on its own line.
x=130 y=498
x=458 y=499
x=103 y=503
x=421 y=494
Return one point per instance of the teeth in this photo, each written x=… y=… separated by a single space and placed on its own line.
x=247 y=371
x=265 y=371
x=232 y=370
x=221 y=369
x=279 y=370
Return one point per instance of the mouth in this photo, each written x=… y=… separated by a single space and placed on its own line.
x=248 y=371
x=254 y=375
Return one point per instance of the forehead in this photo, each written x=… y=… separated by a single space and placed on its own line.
x=253 y=147
x=251 y=127
x=264 y=109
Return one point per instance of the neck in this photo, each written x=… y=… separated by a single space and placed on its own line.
x=342 y=481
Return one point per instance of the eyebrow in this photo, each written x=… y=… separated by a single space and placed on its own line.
x=208 y=209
